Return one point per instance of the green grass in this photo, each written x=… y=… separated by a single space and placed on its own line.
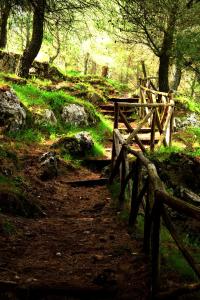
x=73 y=73
x=190 y=103
x=28 y=136
x=163 y=153
x=30 y=95
x=121 y=87
x=11 y=183
x=35 y=100
x=5 y=152
x=174 y=260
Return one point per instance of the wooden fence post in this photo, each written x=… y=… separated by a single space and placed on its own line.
x=153 y=126
x=156 y=247
x=116 y=120
x=147 y=225
x=135 y=190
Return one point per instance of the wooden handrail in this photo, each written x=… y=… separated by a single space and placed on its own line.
x=154 y=211
x=128 y=104
x=154 y=92
x=179 y=205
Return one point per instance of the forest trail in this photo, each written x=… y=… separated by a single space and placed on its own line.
x=80 y=248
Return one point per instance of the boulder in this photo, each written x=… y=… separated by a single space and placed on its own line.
x=48 y=166
x=45 y=116
x=80 y=144
x=75 y=115
x=190 y=120
x=12 y=114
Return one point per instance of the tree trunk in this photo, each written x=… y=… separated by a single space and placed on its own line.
x=164 y=72
x=58 y=45
x=165 y=53
x=34 y=46
x=5 y=12
x=86 y=62
x=177 y=77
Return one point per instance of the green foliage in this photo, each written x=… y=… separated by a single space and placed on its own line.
x=121 y=87
x=195 y=131
x=36 y=99
x=6 y=153
x=164 y=153
x=30 y=95
x=190 y=103
x=72 y=73
x=28 y=136
x=173 y=259
x=11 y=183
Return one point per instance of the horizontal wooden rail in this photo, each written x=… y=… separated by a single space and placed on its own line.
x=178 y=205
x=150 y=192
x=146 y=104
x=122 y=100
x=154 y=92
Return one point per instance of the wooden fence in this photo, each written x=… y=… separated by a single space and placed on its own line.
x=149 y=191
x=156 y=109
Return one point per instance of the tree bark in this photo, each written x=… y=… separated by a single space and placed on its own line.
x=166 y=49
x=164 y=72
x=5 y=12
x=177 y=77
x=34 y=46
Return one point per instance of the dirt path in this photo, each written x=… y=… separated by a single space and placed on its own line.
x=80 y=247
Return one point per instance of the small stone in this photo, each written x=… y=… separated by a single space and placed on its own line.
x=86 y=232
x=97 y=257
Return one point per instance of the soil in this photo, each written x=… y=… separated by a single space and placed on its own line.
x=79 y=249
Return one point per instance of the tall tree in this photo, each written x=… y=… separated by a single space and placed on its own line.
x=33 y=47
x=46 y=11
x=5 y=8
x=155 y=23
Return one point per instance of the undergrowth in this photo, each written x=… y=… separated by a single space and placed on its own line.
x=190 y=103
x=35 y=100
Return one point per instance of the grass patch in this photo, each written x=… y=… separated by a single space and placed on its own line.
x=121 y=87
x=190 y=103
x=28 y=136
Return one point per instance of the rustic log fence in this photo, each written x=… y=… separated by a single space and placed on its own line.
x=156 y=110
x=147 y=189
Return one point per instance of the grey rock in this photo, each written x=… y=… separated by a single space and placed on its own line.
x=48 y=166
x=190 y=120
x=45 y=116
x=12 y=114
x=75 y=115
x=80 y=144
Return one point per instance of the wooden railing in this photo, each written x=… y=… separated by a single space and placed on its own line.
x=148 y=191
x=158 y=116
